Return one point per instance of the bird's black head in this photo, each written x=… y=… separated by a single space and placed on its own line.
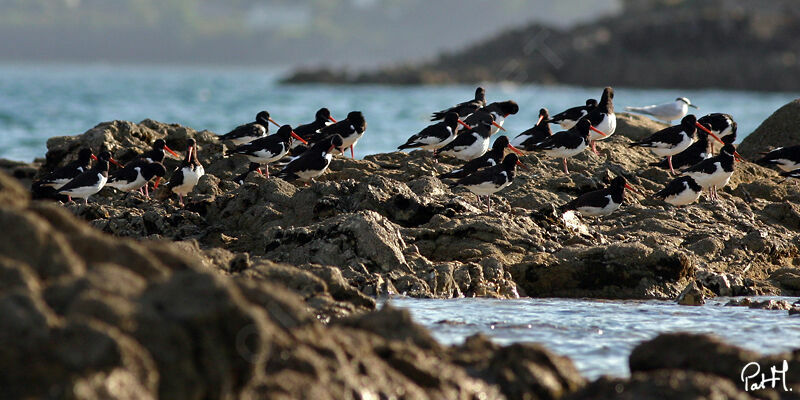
x=285 y=132
x=159 y=144
x=153 y=169
x=508 y=107
x=544 y=114
x=263 y=118
x=334 y=142
x=608 y=93
x=500 y=143
x=356 y=119
x=190 y=142
x=728 y=150
x=480 y=94
x=688 y=123
x=104 y=156
x=582 y=127
x=510 y=162
x=85 y=154
x=451 y=119
x=323 y=115
x=618 y=182
x=591 y=103
x=102 y=164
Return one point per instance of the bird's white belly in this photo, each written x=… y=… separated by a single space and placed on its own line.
x=309 y=174
x=473 y=151
x=608 y=125
x=486 y=188
x=687 y=196
x=190 y=179
x=126 y=186
x=565 y=152
x=665 y=149
x=86 y=191
x=266 y=157
x=719 y=178
x=596 y=211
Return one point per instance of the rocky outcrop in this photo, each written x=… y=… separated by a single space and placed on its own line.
x=781 y=129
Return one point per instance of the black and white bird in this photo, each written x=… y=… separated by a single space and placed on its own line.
x=600 y=202
x=567 y=143
x=465 y=108
x=535 y=135
x=268 y=149
x=569 y=117
x=253 y=167
x=680 y=192
x=154 y=155
x=90 y=182
x=136 y=176
x=197 y=166
x=471 y=143
x=307 y=131
x=668 y=112
x=791 y=174
x=697 y=152
x=488 y=181
x=602 y=118
x=435 y=136
x=60 y=176
x=500 y=110
x=251 y=131
x=350 y=130
x=785 y=158
x=722 y=125
x=314 y=162
x=714 y=172
x=672 y=140
x=185 y=177
x=490 y=159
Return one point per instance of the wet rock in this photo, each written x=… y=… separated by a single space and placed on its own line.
x=691 y=295
x=761 y=305
x=781 y=129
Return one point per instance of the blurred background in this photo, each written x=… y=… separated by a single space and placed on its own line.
x=66 y=65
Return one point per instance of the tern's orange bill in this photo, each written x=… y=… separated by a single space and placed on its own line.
x=498 y=126
x=597 y=130
x=171 y=152
x=296 y=136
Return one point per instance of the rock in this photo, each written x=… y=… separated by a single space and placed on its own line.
x=691 y=295
x=637 y=127
x=666 y=384
x=781 y=129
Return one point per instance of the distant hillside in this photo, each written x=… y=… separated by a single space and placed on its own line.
x=734 y=44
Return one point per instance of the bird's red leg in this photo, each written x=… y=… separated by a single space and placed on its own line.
x=669 y=160
x=566 y=170
x=352 y=154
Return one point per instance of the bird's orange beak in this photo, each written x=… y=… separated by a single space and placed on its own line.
x=708 y=131
x=296 y=136
x=597 y=130
x=171 y=152
x=523 y=165
x=115 y=162
x=273 y=121
x=498 y=126
x=158 y=180
x=629 y=187
x=464 y=124
x=541 y=117
x=516 y=150
x=94 y=157
x=738 y=157
x=331 y=118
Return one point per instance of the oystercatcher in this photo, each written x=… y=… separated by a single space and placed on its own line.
x=253 y=167
x=539 y=132
x=89 y=182
x=435 y=136
x=185 y=177
x=791 y=174
x=567 y=143
x=671 y=141
x=500 y=110
x=268 y=149
x=490 y=180
x=251 y=131
x=155 y=155
x=306 y=131
x=680 y=192
x=490 y=159
x=60 y=176
x=715 y=171
x=568 y=118
x=313 y=162
x=602 y=118
x=471 y=143
x=786 y=158
x=600 y=202
x=698 y=151
x=667 y=112
x=136 y=176
x=465 y=108
x=722 y=125
x=350 y=129
x=197 y=166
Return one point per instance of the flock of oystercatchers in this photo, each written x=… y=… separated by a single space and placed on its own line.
x=462 y=131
